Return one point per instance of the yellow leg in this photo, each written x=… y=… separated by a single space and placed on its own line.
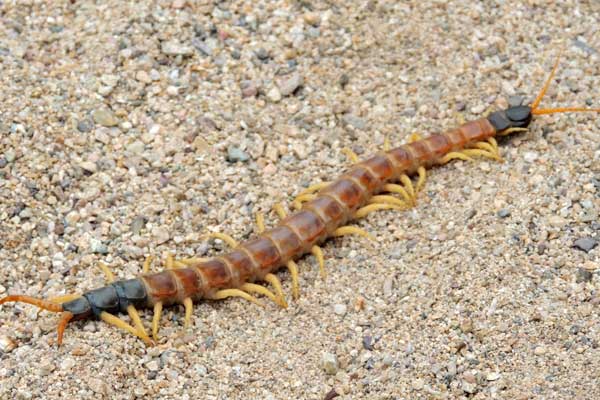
x=393 y=188
x=293 y=268
x=223 y=294
x=260 y=222
x=421 y=181
x=119 y=323
x=386 y=144
x=146 y=266
x=189 y=309
x=362 y=212
x=137 y=322
x=280 y=211
x=409 y=187
x=231 y=242
x=254 y=288
x=480 y=153
x=318 y=253
x=386 y=199
x=493 y=142
x=314 y=188
x=107 y=272
x=352 y=156
x=512 y=130
x=169 y=262
x=193 y=260
x=156 y=319
x=179 y=264
x=274 y=281
x=414 y=137
x=352 y=230
x=303 y=198
x=454 y=155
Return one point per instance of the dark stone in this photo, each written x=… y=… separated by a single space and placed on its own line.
x=367 y=342
x=583 y=275
x=85 y=125
x=586 y=244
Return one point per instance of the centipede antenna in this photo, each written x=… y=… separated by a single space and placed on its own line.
x=43 y=304
x=539 y=97
x=66 y=317
x=540 y=111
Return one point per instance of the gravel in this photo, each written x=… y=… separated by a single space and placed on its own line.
x=118 y=120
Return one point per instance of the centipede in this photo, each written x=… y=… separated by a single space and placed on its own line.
x=383 y=181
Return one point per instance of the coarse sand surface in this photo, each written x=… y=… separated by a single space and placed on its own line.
x=135 y=128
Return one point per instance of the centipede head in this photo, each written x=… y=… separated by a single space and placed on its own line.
x=44 y=305
x=517 y=118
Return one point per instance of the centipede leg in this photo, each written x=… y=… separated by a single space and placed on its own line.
x=260 y=222
x=352 y=156
x=158 y=306
x=352 y=230
x=394 y=188
x=364 y=211
x=225 y=293
x=146 y=266
x=119 y=323
x=386 y=144
x=297 y=203
x=131 y=310
x=293 y=268
x=318 y=253
x=189 y=309
x=231 y=242
x=110 y=277
x=254 y=288
x=387 y=199
x=274 y=281
x=137 y=322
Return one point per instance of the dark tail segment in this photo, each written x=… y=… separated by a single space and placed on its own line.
x=112 y=298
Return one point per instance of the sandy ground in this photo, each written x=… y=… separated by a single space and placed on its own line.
x=134 y=128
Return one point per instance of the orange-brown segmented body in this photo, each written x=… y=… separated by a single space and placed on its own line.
x=323 y=215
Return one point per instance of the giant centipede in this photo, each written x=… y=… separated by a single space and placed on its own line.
x=323 y=210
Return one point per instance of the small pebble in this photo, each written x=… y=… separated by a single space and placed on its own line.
x=89 y=166
x=249 y=89
x=478 y=109
x=586 y=244
x=234 y=154
x=583 y=275
x=503 y=213
x=6 y=344
x=85 y=125
x=492 y=376
x=354 y=121
x=274 y=95
x=539 y=351
x=175 y=48
x=290 y=83
x=96 y=246
x=330 y=363
x=340 y=309
x=312 y=18
x=105 y=117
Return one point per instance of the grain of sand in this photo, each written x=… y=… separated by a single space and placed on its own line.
x=134 y=128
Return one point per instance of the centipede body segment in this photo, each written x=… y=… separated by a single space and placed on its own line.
x=379 y=183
